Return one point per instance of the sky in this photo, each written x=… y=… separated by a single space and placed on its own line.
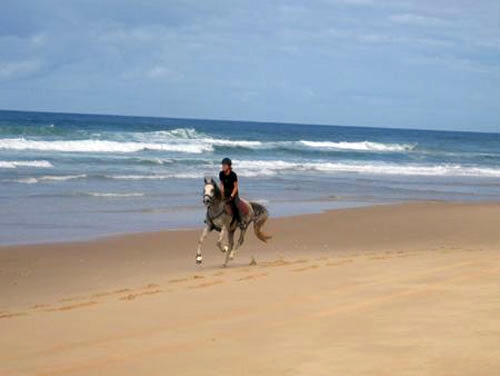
x=429 y=64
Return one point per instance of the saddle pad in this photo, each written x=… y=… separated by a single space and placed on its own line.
x=244 y=207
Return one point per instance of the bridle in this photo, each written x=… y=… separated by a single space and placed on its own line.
x=208 y=200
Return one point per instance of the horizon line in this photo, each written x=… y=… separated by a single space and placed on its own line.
x=249 y=121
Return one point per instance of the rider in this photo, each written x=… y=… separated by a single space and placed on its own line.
x=229 y=187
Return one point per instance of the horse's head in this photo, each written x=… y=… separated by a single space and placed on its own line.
x=210 y=191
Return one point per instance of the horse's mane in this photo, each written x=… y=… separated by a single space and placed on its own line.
x=218 y=193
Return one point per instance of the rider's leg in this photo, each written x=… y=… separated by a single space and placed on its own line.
x=236 y=208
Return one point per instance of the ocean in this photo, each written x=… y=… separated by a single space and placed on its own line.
x=74 y=177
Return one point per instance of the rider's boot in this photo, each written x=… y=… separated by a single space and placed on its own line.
x=237 y=217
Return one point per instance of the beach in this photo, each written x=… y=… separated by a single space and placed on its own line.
x=394 y=289
x=359 y=140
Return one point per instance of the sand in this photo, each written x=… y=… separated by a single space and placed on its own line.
x=408 y=289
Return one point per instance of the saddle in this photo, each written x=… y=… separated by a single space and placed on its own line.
x=243 y=207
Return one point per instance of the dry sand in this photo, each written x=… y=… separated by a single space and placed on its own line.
x=410 y=289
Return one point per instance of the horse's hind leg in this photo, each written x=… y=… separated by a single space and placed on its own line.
x=230 y=237
x=242 y=237
x=238 y=245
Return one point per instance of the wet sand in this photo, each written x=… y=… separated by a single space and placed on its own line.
x=408 y=289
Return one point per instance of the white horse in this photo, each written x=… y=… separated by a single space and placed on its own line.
x=219 y=217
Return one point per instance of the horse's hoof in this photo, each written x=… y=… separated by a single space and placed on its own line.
x=199 y=260
x=231 y=256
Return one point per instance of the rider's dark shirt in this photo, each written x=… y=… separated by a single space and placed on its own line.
x=228 y=182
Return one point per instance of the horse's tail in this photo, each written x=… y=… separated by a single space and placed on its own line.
x=260 y=217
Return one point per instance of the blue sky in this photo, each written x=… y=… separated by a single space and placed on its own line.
x=412 y=64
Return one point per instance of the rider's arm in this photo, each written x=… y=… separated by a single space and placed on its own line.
x=221 y=183
x=221 y=186
x=235 y=190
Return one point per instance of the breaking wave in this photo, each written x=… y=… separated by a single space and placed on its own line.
x=273 y=167
x=182 y=140
x=114 y=194
x=156 y=176
x=100 y=146
x=35 y=164
x=40 y=179
x=360 y=146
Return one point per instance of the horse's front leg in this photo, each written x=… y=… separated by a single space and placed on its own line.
x=221 y=238
x=229 y=251
x=204 y=234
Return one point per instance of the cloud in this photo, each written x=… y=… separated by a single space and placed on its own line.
x=10 y=69
x=455 y=63
x=417 y=20
x=159 y=71
x=358 y=2
x=39 y=39
x=154 y=72
x=201 y=56
x=120 y=34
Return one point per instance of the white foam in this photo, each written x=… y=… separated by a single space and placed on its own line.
x=24 y=180
x=113 y=194
x=159 y=161
x=265 y=165
x=195 y=136
x=33 y=180
x=183 y=140
x=263 y=168
x=179 y=133
x=230 y=143
x=36 y=164
x=358 y=146
x=101 y=146
x=410 y=170
x=157 y=176
x=62 y=177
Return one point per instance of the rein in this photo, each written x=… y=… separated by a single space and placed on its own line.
x=210 y=216
x=217 y=215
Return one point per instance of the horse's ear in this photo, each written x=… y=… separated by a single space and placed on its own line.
x=214 y=182
x=207 y=180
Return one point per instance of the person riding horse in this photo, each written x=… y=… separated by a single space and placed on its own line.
x=219 y=218
x=229 y=188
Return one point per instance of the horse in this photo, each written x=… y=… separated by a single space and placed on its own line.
x=219 y=217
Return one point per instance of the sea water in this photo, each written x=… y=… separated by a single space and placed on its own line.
x=68 y=176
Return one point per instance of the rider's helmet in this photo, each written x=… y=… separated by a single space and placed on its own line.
x=226 y=161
